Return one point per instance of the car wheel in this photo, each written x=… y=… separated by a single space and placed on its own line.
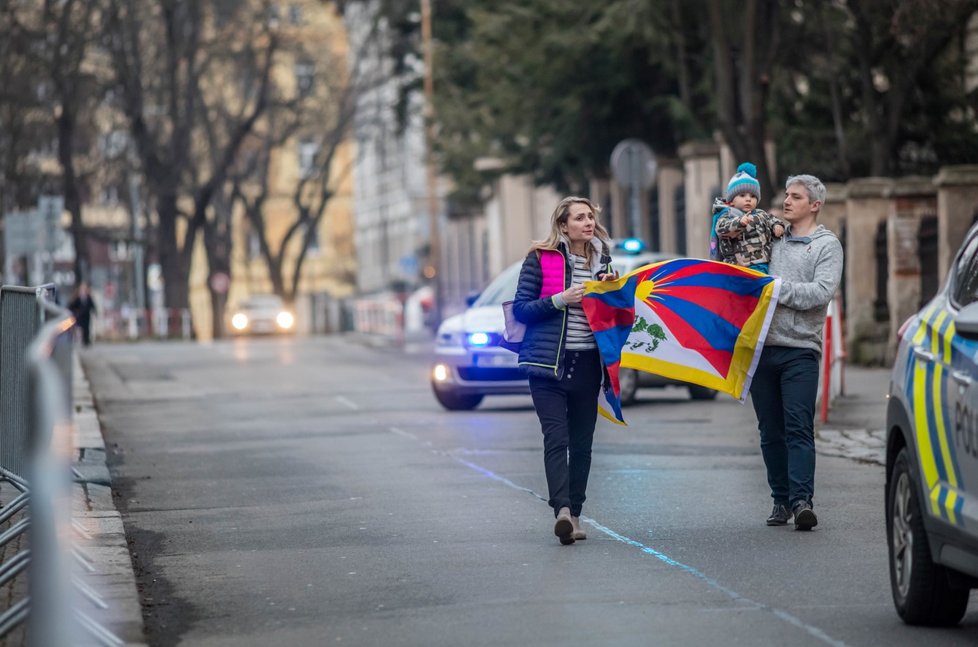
x=697 y=392
x=921 y=589
x=628 y=383
x=457 y=401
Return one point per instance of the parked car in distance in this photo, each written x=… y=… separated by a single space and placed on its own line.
x=932 y=452
x=262 y=314
x=470 y=364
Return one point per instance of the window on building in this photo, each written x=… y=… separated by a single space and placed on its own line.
x=274 y=15
x=305 y=74
x=295 y=14
x=110 y=195
x=308 y=152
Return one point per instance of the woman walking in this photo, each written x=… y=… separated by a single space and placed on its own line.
x=559 y=353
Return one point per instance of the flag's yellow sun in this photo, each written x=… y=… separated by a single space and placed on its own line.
x=643 y=290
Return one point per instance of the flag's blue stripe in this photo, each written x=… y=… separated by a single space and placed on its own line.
x=717 y=331
x=610 y=341
x=623 y=297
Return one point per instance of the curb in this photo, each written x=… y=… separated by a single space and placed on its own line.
x=93 y=508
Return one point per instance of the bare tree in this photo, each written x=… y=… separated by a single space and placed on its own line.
x=70 y=28
x=315 y=123
x=745 y=43
x=171 y=58
x=23 y=122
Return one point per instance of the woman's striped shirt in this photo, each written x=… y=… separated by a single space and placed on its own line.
x=579 y=335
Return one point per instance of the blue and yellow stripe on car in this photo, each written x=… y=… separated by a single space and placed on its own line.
x=926 y=389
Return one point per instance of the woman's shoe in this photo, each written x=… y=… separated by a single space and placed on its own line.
x=564 y=527
x=578 y=534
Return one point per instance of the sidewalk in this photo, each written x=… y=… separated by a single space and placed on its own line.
x=93 y=507
x=856 y=427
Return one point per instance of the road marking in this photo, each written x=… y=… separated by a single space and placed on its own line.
x=648 y=550
x=401 y=432
x=342 y=399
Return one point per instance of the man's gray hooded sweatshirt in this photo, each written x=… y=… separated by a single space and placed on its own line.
x=810 y=268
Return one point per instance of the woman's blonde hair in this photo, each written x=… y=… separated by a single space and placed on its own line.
x=560 y=216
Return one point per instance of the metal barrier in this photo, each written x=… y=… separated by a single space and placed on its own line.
x=36 y=442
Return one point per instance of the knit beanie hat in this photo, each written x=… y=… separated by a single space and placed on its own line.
x=744 y=181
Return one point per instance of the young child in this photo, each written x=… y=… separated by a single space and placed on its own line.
x=741 y=233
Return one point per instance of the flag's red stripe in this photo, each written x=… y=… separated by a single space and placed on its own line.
x=689 y=337
x=729 y=306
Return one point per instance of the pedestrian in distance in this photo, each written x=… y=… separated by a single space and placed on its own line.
x=559 y=353
x=82 y=307
x=741 y=234
x=808 y=258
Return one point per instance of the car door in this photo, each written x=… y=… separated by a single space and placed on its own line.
x=962 y=389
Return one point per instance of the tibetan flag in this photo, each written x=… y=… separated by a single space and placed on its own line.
x=687 y=319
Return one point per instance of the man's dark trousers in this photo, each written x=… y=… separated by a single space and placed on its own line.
x=568 y=410
x=783 y=392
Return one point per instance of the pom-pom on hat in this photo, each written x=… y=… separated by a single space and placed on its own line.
x=744 y=181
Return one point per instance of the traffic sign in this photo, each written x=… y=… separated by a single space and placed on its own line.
x=633 y=164
x=220 y=282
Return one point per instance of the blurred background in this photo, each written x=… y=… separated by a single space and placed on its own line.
x=373 y=164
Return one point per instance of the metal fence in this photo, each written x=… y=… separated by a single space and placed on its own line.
x=36 y=451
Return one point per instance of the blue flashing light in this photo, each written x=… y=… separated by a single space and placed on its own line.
x=632 y=245
x=478 y=339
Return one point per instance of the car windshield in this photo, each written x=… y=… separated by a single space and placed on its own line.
x=503 y=287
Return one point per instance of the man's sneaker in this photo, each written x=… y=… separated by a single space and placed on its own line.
x=805 y=518
x=779 y=515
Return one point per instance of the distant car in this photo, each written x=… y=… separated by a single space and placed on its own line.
x=470 y=364
x=932 y=452
x=262 y=314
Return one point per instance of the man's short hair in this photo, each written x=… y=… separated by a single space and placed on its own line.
x=814 y=186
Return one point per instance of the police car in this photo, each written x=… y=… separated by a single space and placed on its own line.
x=932 y=452
x=470 y=364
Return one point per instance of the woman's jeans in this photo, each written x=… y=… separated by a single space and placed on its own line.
x=568 y=409
x=783 y=392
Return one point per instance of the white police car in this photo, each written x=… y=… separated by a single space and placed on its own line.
x=470 y=364
x=932 y=452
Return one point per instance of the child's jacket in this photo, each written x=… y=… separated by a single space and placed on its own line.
x=744 y=245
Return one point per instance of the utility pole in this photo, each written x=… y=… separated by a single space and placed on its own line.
x=434 y=242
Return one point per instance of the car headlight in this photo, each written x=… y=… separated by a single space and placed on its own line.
x=284 y=320
x=239 y=321
x=440 y=372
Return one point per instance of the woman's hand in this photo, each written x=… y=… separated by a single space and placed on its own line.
x=573 y=294
x=608 y=276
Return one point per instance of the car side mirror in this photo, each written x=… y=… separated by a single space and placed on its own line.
x=966 y=323
x=470 y=299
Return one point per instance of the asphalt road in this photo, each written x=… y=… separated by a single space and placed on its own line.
x=311 y=492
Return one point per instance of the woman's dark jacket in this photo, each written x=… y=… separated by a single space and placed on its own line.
x=542 y=351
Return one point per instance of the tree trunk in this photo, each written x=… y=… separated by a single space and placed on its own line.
x=69 y=184
x=742 y=90
x=176 y=290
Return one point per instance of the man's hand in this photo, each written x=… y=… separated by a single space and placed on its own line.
x=778 y=231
